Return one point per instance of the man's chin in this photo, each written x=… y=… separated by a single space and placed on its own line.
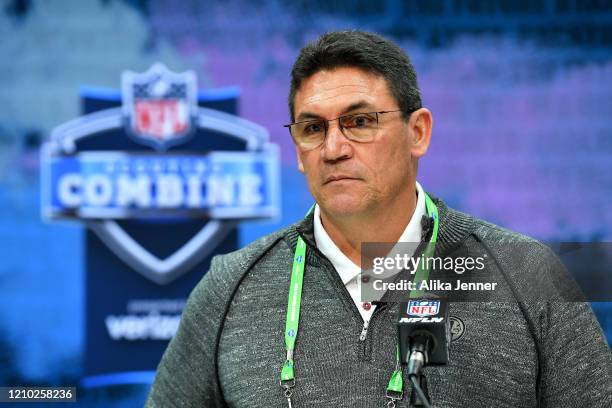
x=340 y=208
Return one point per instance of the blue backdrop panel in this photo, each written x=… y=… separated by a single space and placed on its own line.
x=120 y=302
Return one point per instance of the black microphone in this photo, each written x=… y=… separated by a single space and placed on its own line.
x=424 y=333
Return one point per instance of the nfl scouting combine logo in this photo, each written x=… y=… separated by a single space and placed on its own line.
x=157 y=180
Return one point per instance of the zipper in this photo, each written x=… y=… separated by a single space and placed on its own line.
x=366 y=338
x=364 y=331
x=366 y=324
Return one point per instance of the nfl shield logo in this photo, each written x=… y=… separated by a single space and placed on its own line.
x=159 y=106
x=423 y=308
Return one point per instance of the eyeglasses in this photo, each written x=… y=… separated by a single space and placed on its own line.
x=358 y=127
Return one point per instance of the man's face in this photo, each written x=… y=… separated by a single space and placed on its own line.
x=350 y=178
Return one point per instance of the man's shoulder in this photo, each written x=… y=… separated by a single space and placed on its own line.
x=241 y=259
x=517 y=253
x=515 y=246
x=227 y=270
x=489 y=232
x=531 y=267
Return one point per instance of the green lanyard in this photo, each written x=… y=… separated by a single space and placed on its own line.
x=287 y=381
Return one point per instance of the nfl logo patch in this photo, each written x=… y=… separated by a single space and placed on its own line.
x=159 y=106
x=423 y=308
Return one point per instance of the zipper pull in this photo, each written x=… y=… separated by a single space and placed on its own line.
x=364 y=331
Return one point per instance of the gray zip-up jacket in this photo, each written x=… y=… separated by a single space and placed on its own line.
x=229 y=347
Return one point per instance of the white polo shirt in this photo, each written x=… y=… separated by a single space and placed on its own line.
x=348 y=271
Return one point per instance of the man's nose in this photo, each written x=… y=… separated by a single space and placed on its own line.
x=336 y=146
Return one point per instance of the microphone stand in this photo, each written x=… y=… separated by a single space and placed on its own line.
x=417 y=359
x=415 y=400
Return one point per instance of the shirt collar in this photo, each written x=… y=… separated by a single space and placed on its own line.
x=345 y=267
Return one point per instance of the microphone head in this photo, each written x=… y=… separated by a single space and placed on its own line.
x=420 y=318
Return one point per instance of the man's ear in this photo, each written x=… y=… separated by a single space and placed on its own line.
x=420 y=125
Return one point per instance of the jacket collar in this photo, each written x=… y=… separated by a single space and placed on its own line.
x=453 y=229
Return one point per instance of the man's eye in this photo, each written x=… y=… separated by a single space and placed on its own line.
x=312 y=128
x=360 y=121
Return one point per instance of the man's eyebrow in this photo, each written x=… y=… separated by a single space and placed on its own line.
x=352 y=107
x=356 y=106
x=307 y=116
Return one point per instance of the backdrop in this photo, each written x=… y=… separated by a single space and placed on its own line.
x=521 y=94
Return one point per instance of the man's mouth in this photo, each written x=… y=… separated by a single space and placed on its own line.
x=338 y=177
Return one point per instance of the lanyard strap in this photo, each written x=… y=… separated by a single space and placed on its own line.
x=396 y=383
x=293 y=309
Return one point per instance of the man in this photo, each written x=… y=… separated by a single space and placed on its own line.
x=359 y=131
